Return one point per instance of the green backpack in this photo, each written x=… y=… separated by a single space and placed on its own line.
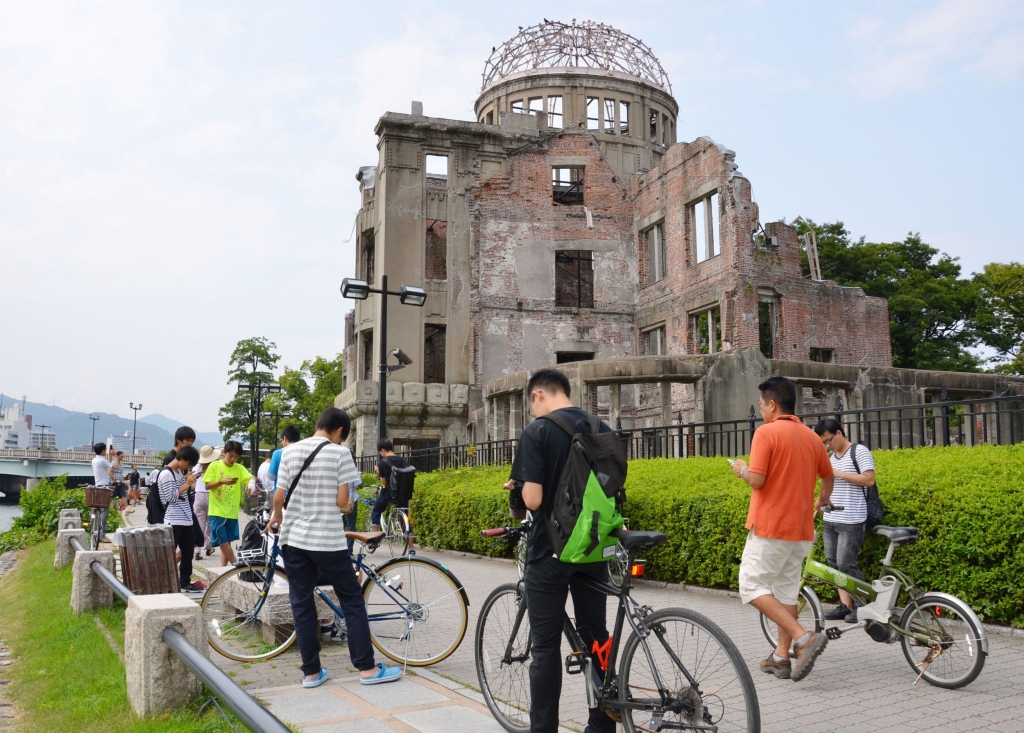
x=590 y=493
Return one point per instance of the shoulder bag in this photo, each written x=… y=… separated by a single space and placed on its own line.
x=876 y=509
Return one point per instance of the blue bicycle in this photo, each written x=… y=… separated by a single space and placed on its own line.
x=418 y=609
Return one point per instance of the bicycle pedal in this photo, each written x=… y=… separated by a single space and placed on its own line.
x=833 y=632
x=575 y=663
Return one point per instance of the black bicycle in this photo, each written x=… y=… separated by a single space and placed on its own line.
x=679 y=670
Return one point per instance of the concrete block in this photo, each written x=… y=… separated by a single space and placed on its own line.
x=459 y=394
x=436 y=394
x=64 y=553
x=412 y=392
x=394 y=393
x=70 y=519
x=88 y=591
x=158 y=681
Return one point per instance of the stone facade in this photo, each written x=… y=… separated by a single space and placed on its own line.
x=590 y=234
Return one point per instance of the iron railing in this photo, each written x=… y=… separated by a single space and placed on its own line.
x=256 y=717
x=992 y=420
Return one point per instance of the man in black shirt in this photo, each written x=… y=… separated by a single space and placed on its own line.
x=543 y=450
x=388 y=460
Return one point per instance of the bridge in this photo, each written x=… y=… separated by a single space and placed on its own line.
x=25 y=466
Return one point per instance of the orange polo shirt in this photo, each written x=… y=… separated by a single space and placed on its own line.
x=790 y=457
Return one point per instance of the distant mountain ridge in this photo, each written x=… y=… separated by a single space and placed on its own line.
x=74 y=428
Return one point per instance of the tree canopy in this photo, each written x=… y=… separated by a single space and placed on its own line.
x=1001 y=317
x=253 y=359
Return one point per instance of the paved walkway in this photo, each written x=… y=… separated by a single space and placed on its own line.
x=857 y=685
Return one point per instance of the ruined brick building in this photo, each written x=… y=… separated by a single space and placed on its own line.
x=566 y=223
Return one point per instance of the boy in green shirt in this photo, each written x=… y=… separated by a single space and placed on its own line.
x=225 y=479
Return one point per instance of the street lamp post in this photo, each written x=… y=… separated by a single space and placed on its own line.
x=42 y=435
x=409 y=295
x=135 y=422
x=277 y=415
x=94 y=417
x=258 y=389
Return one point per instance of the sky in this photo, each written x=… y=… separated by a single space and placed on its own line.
x=177 y=176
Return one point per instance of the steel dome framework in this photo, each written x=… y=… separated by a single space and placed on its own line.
x=555 y=45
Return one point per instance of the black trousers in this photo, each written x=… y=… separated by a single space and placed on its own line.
x=184 y=541
x=548 y=582
x=306 y=569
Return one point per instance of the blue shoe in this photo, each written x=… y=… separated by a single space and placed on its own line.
x=386 y=674
x=320 y=679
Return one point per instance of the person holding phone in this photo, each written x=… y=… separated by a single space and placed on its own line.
x=225 y=480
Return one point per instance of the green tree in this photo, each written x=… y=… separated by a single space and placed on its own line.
x=1001 y=321
x=306 y=402
x=252 y=359
x=932 y=310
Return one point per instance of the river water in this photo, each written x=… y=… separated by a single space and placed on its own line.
x=8 y=511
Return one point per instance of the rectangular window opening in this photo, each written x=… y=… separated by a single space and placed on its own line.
x=655 y=253
x=436 y=255
x=490 y=117
x=609 y=116
x=517 y=107
x=555 y=112
x=367 y=256
x=825 y=356
x=654 y=125
x=567 y=357
x=707 y=331
x=574 y=278
x=664 y=128
x=766 y=328
x=437 y=165
x=434 y=344
x=567 y=185
x=652 y=342
x=593 y=114
x=704 y=219
x=366 y=345
x=624 y=118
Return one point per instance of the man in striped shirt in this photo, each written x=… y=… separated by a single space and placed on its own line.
x=174 y=483
x=843 y=531
x=314 y=547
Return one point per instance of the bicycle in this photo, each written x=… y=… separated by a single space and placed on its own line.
x=932 y=627
x=395 y=523
x=98 y=499
x=417 y=608
x=652 y=691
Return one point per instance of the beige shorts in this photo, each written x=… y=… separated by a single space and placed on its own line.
x=772 y=567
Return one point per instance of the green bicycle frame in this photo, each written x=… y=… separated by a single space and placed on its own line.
x=860 y=590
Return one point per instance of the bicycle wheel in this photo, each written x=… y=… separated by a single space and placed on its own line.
x=397 y=528
x=809 y=613
x=503 y=658
x=418 y=612
x=95 y=528
x=618 y=567
x=243 y=625
x=954 y=654
x=723 y=695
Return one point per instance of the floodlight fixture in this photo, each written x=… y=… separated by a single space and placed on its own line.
x=412 y=295
x=355 y=289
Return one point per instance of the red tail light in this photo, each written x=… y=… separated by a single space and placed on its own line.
x=637 y=569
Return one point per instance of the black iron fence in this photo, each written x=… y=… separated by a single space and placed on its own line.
x=993 y=420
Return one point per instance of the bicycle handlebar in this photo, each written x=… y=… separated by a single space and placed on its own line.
x=831 y=508
x=499 y=532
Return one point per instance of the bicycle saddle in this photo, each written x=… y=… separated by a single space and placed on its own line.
x=898 y=535
x=631 y=540
x=365 y=537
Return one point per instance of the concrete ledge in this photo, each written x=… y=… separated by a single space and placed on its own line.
x=88 y=590
x=64 y=553
x=69 y=519
x=158 y=681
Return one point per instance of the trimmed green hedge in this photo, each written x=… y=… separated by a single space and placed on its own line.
x=968 y=504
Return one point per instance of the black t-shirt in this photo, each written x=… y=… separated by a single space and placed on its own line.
x=133 y=478
x=540 y=458
x=384 y=466
x=171 y=455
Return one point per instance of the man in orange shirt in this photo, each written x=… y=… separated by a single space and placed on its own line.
x=786 y=458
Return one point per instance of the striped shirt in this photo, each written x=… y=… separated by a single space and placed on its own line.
x=847 y=495
x=178 y=511
x=312 y=520
x=118 y=473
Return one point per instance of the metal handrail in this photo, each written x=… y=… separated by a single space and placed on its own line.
x=256 y=717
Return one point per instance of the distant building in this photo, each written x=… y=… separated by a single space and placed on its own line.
x=15 y=427
x=39 y=439
x=83 y=448
x=123 y=443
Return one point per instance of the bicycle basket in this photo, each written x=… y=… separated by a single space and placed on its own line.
x=98 y=497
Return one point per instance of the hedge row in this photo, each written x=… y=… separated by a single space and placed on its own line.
x=968 y=504
x=40 y=512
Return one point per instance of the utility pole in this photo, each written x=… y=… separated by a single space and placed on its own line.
x=94 y=417
x=258 y=389
x=135 y=422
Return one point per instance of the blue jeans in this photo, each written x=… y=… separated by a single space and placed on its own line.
x=379 y=505
x=351 y=524
x=842 y=545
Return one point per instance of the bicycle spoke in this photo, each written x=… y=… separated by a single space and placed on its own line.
x=240 y=622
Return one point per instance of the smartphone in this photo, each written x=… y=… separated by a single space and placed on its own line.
x=731 y=461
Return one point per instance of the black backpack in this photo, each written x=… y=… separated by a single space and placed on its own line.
x=400 y=485
x=587 y=506
x=876 y=509
x=155 y=508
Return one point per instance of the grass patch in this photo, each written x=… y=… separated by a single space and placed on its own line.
x=65 y=676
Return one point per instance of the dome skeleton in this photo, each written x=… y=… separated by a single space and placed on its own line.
x=554 y=45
